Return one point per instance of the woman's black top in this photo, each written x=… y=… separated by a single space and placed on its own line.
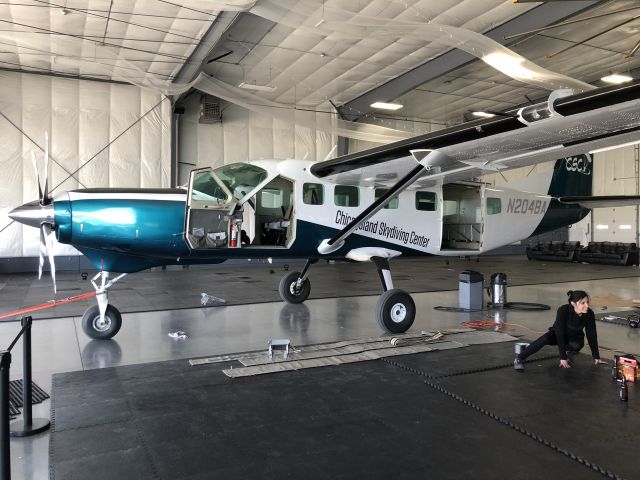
x=569 y=325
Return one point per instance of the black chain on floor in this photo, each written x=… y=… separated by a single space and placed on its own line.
x=429 y=382
x=484 y=369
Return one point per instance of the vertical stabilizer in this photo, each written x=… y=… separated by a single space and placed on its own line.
x=572 y=176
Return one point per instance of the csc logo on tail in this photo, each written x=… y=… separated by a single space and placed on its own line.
x=579 y=164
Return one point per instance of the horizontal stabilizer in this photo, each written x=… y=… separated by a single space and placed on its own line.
x=605 y=201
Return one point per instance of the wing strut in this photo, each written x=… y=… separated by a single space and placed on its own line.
x=427 y=159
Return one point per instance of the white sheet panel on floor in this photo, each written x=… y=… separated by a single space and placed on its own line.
x=100 y=135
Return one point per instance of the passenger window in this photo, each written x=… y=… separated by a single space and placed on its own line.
x=494 y=205
x=313 y=193
x=426 y=201
x=393 y=204
x=346 y=196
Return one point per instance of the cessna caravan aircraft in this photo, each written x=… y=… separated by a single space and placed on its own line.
x=414 y=197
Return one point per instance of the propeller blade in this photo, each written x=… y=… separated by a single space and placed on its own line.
x=45 y=194
x=42 y=250
x=49 y=235
x=35 y=167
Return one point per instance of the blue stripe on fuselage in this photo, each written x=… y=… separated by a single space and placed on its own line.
x=560 y=215
x=129 y=235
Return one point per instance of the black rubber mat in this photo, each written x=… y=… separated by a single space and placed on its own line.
x=38 y=395
x=462 y=413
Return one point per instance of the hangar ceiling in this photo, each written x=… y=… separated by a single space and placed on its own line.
x=166 y=42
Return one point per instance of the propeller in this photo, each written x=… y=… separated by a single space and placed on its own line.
x=46 y=223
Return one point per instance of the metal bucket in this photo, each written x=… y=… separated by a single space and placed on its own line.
x=498 y=290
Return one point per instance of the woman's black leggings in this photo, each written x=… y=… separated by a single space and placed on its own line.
x=574 y=344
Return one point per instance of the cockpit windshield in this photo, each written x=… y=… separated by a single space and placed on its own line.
x=240 y=178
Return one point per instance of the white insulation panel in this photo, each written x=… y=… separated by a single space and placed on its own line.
x=245 y=135
x=100 y=135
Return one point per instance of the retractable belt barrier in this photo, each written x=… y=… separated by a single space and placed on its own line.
x=29 y=426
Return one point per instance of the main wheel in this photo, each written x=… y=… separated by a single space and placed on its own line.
x=101 y=329
x=290 y=292
x=395 y=311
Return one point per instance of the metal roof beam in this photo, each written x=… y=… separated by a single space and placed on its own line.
x=194 y=64
x=541 y=16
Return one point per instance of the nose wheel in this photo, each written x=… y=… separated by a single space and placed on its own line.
x=98 y=328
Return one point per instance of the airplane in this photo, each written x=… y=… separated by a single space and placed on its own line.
x=414 y=197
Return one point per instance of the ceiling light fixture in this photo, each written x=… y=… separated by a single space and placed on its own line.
x=616 y=78
x=386 y=106
x=259 y=88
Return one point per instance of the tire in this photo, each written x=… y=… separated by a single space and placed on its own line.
x=91 y=322
x=288 y=291
x=395 y=311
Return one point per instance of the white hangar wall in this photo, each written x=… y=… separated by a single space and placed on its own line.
x=615 y=173
x=245 y=135
x=100 y=135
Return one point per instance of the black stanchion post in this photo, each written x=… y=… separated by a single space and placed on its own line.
x=5 y=453
x=27 y=426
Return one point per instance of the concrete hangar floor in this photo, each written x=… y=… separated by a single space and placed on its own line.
x=146 y=405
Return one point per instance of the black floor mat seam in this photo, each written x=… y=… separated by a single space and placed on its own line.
x=142 y=442
x=431 y=382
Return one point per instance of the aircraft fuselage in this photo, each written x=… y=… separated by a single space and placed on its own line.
x=287 y=214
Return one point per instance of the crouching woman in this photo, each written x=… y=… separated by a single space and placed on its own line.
x=573 y=320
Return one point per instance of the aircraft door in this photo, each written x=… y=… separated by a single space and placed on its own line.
x=462 y=217
x=274 y=214
x=210 y=221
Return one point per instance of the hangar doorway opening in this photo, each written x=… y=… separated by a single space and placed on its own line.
x=462 y=217
x=238 y=206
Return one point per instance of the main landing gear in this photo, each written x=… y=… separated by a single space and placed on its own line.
x=395 y=310
x=102 y=321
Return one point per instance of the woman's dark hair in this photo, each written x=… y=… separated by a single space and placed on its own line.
x=577 y=295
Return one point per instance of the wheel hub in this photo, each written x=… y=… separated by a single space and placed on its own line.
x=295 y=289
x=398 y=312
x=101 y=325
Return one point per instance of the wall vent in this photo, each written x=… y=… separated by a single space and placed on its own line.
x=210 y=110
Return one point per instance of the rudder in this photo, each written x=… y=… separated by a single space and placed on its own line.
x=572 y=176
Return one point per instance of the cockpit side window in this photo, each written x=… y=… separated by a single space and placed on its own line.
x=205 y=188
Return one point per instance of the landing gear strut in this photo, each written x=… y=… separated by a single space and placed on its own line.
x=294 y=286
x=395 y=310
x=102 y=321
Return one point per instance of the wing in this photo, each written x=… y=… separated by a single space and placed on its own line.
x=561 y=127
